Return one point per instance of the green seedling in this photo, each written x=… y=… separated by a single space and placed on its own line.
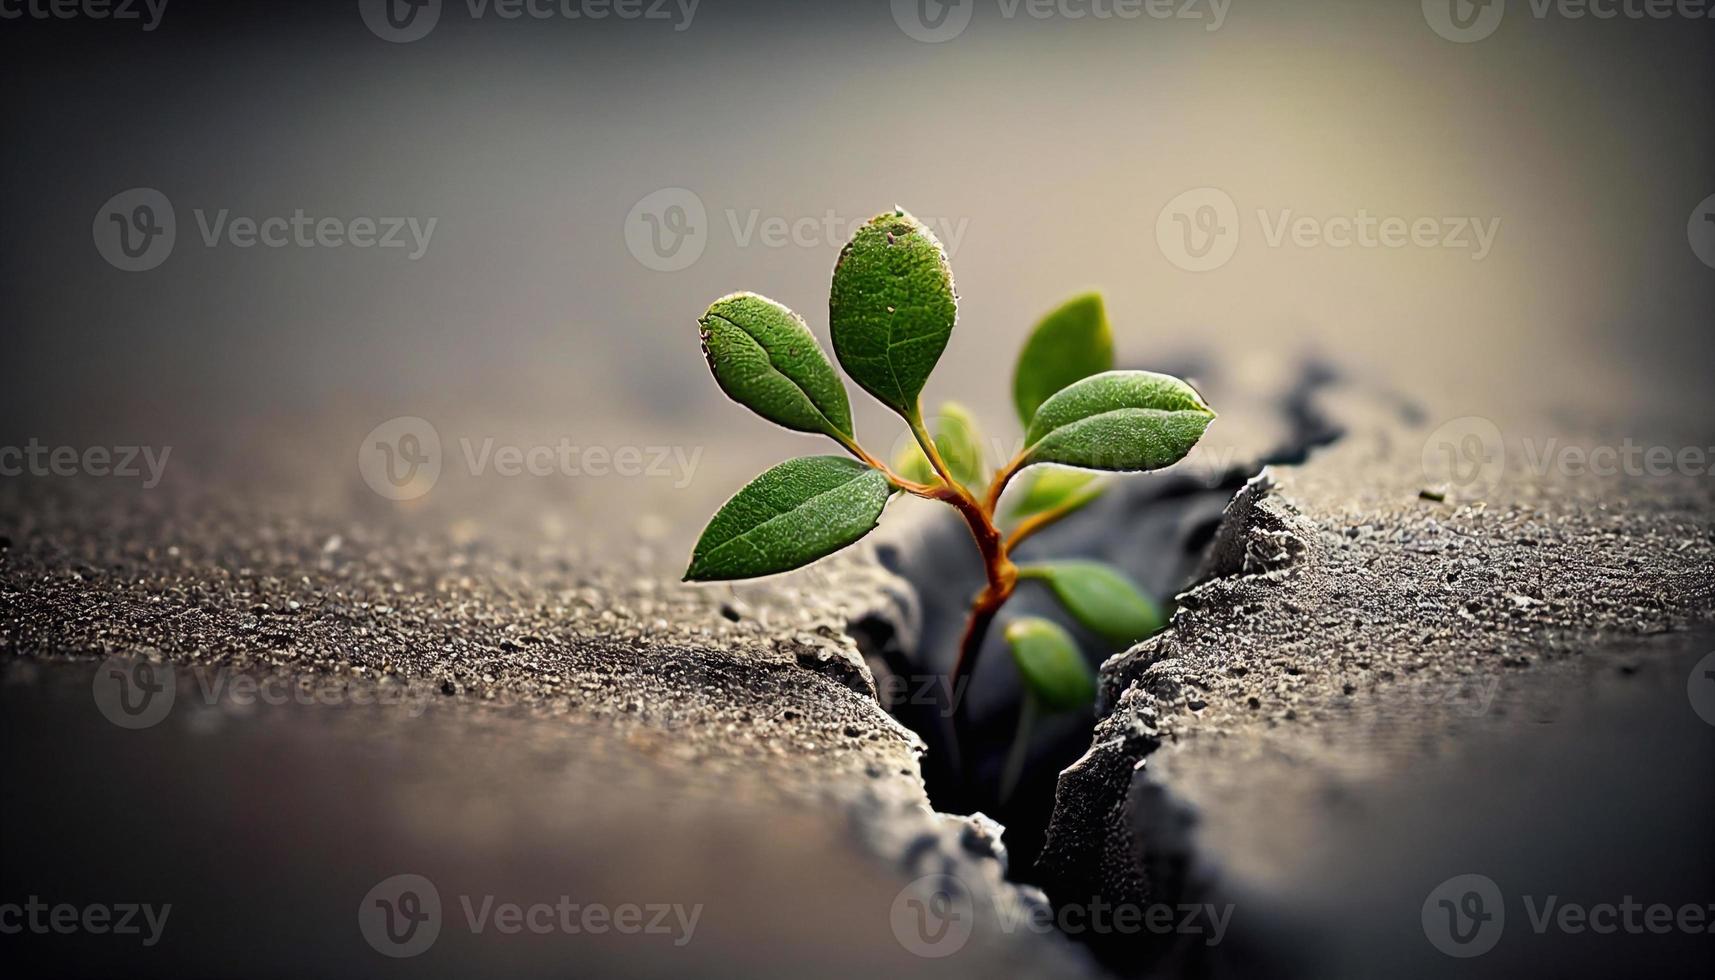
x=892 y=310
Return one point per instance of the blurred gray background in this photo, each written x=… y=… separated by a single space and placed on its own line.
x=1050 y=145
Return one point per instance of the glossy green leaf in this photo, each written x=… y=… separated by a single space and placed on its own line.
x=793 y=514
x=765 y=358
x=1049 y=663
x=1069 y=344
x=1101 y=597
x=1053 y=486
x=892 y=307
x=1119 y=420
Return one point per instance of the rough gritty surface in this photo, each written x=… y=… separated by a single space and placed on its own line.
x=745 y=714
x=1344 y=628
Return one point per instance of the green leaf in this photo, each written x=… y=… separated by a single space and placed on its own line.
x=1118 y=420
x=1054 y=486
x=960 y=444
x=911 y=464
x=1101 y=597
x=1069 y=344
x=1049 y=663
x=766 y=359
x=892 y=307
x=790 y=516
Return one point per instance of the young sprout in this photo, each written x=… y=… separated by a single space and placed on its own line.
x=892 y=309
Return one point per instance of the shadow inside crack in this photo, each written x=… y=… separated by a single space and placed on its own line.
x=1158 y=528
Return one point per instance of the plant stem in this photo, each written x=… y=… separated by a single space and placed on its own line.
x=1038 y=521
x=931 y=491
x=1020 y=751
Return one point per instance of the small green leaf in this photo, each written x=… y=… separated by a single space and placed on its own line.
x=892 y=307
x=1118 y=420
x=913 y=465
x=961 y=444
x=793 y=514
x=1054 y=486
x=766 y=359
x=1049 y=663
x=1069 y=344
x=1101 y=597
